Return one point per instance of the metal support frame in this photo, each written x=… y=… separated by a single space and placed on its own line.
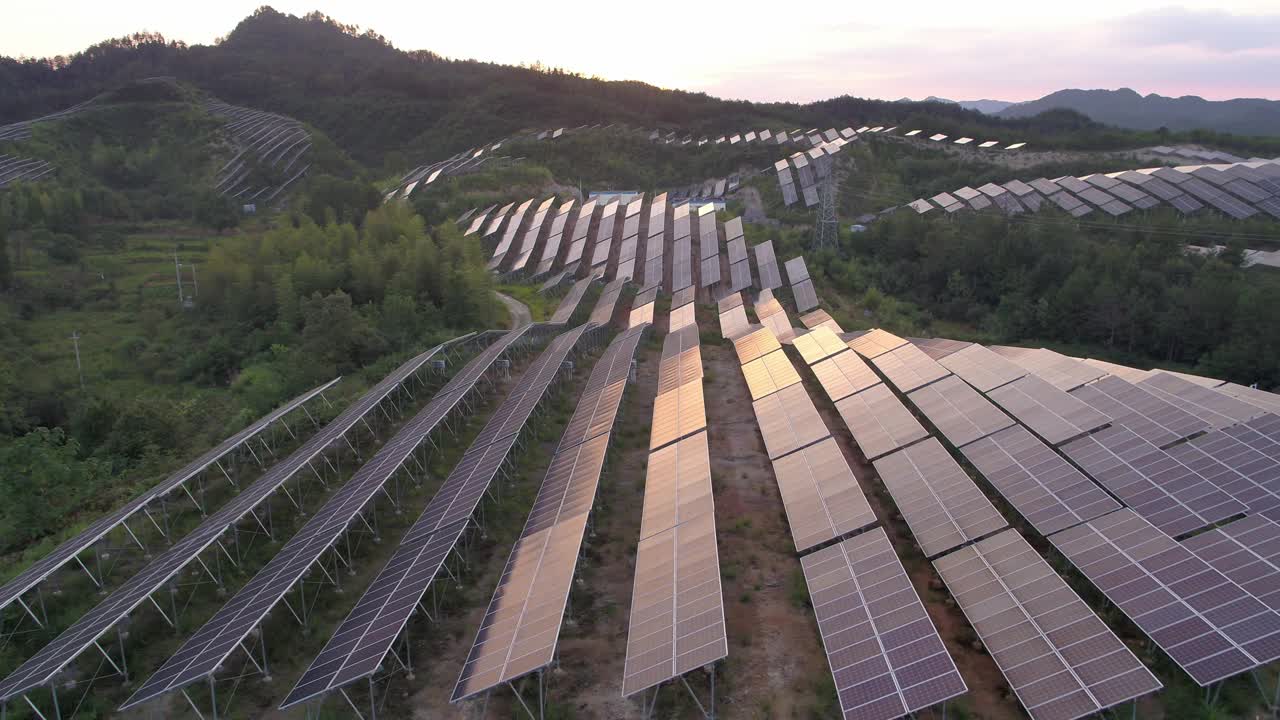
x=649 y=698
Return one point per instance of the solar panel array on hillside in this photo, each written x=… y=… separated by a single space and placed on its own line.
x=555 y=238
x=521 y=628
x=602 y=241
x=68 y=550
x=42 y=667
x=205 y=651
x=1210 y=626
x=1238 y=189
x=529 y=240
x=508 y=235
x=1060 y=658
x=361 y=643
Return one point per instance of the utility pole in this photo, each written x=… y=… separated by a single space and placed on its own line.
x=177 y=270
x=195 y=284
x=75 y=340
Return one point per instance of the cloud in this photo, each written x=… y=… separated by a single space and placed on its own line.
x=1214 y=30
x=1171 y=52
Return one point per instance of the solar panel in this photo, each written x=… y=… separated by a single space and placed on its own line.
x=1166 y=492
x=1155 y=420
x=709 y=273
x=733 y=323
x=1043 y=487
x=1241 y=462
x=737 y=249
x=755 y=344
x=958 y=411
x=941 y=504
x=788 y=421
x=938 y=348
x=682 y=316
x=206 y=650
x=769 y=374
x=844 y=374
x=820 y=494
x=677 y=413
x=876 y=343
x=885 y=654
x=739 y=276
x=677 y=486
x=729 y=301
x=820 y=318
x=1049 y=412
x=818 y=344
x=1247 y=551
x=797 y=270
x=1064 y=373
x=982 y=368
x=68 y=550
x=521 y=627
x=908 y=368
x=767 y=266
x=1207 y=624
x=879 y=422
x=681 y=264
x=1061 y=659
x=1211 y=406
x=677 y=616
x=805 y=296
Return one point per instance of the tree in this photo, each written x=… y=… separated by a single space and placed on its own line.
x=6 y=267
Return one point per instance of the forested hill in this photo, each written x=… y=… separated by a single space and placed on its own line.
x=1126 y=108
x=374 y=100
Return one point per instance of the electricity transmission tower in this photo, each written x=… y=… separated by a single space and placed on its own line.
x=826 y=226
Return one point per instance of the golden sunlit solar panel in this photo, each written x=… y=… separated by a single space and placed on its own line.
x=876 y=343
x=820 y=494
x=757 y=343
x=880 y=423
x=844 y=374
x=788 y=421
x=677 y=413
x=908 y=368
x=818 y=344
x=769 y=374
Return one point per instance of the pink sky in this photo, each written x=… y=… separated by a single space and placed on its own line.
x=1006 y=49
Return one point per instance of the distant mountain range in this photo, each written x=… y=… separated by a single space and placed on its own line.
x=1129 y=109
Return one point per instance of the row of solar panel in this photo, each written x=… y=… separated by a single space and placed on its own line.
x=885 y=654
x=1240 y=190
x=1211 y=626
x=44 y=666
x=520 y=630
x=1060 y=659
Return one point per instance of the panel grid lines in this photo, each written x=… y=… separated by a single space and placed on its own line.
x=1062 y=661
x=885 y=655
